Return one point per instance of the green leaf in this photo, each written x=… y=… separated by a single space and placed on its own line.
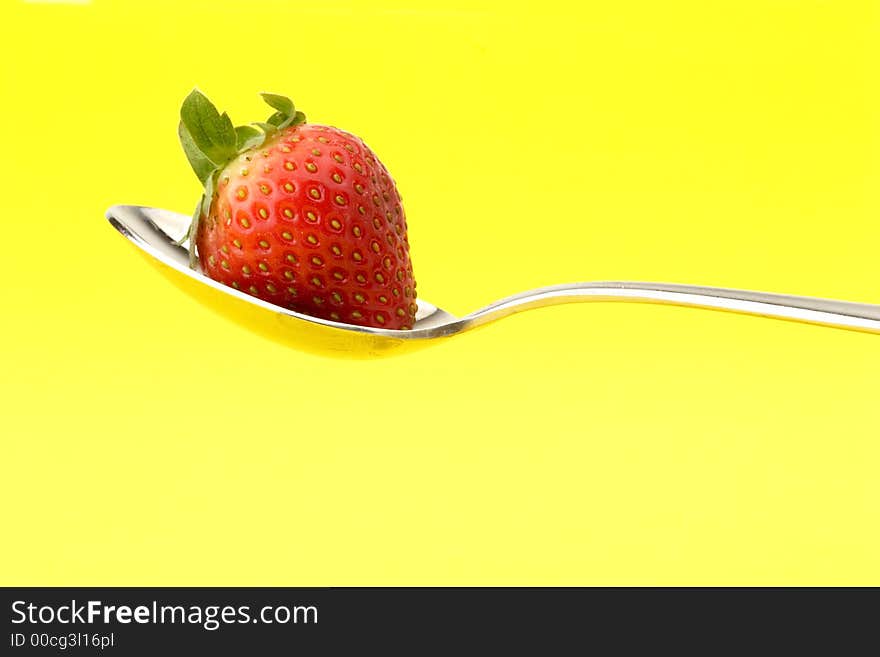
x=247 y=137
x=281 y=103
x=191 y=234
x=203 y=209
x=268 y=128
x=277 y=119
x=227 y=132
x=211 y=132
x=202 y=166
x=280 y=121
x=208 y=197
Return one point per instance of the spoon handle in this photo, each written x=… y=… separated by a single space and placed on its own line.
x=828 y=312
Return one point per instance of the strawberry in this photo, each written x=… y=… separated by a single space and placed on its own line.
x=301 y=215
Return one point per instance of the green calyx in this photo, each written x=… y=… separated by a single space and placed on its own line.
x=210 y=142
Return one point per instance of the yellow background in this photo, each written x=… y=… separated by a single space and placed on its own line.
x=734 y=143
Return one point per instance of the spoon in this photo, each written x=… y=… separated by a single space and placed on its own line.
x=157 y=233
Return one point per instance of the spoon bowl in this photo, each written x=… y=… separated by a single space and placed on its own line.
x=157 y=233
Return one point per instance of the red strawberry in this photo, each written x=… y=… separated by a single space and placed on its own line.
x=301 y=215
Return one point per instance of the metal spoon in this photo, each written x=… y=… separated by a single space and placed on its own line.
x=156 y=232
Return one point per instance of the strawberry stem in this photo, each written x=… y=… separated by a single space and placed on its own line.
x=210 y=142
